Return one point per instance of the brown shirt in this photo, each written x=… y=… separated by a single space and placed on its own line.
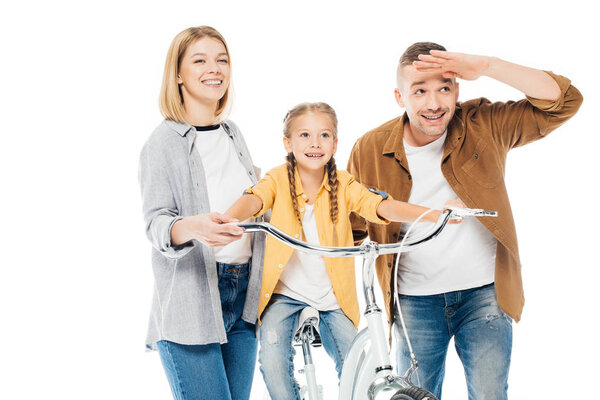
x=479 y=137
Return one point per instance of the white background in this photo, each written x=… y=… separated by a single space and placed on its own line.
x=79 y=85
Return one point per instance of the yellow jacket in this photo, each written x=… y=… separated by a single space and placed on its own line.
x=274 y=191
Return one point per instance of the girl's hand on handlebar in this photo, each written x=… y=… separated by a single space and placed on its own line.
x=211 y=229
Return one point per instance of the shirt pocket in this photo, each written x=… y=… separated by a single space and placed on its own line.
x=483 y=165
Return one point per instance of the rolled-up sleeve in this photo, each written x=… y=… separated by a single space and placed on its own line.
x=518 y=123
x=553 y=105
x=266 y=190
x=365 y=202
x=158 y=204
x=560 y=110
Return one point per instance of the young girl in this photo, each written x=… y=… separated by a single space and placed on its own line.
x=310 y=199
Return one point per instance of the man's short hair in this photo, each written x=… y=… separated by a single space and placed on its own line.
x=412 y=53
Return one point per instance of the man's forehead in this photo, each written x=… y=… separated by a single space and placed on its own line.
x=410 y=76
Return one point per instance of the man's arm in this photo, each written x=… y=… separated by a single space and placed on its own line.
x=533 y=82
x=551 y=99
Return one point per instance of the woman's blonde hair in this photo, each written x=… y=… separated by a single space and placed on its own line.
x=171 y=100
x=295 y=112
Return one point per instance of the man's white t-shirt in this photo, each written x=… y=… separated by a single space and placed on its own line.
x=305 y=277
x=226 y=180
x=463 y=256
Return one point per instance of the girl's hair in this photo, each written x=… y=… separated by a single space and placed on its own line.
x=295 y=112
x=171 y=100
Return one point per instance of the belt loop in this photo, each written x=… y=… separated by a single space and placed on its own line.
x=233 y=268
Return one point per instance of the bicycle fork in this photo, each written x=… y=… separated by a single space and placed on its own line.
x=385 y=378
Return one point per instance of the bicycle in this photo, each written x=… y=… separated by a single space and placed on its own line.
x=367 y=370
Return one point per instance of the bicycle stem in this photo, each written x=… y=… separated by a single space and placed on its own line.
x=371 y=253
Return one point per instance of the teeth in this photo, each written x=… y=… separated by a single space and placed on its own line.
x=435 y=117
x=314 y=155
x=214 y=82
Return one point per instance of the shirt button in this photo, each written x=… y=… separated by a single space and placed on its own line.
x=389 y=265
x=280 y=265
x=388 y=294
x=297 y=235
x=267 y=295
x=302 y=210
x=304 y=196
x=476 y=156
x=409 y=177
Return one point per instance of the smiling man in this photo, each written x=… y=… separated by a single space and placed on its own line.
x=466 y=284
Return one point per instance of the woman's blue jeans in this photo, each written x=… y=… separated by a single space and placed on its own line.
x=276 y=355
x=482 y=337
x=215 y=371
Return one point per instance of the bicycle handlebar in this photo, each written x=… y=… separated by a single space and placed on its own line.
x=369 y=247
x=370 y=251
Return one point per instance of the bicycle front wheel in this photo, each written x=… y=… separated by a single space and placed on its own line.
x=413 y=393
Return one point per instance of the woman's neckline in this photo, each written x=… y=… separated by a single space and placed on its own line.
x=207 y=128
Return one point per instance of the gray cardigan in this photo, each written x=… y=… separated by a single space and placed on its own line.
x=186 y=306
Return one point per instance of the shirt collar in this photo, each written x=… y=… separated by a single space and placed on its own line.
x=394 y=144
x=395 y=141
x=300 y=189
x=455 y=132
x=182 y=128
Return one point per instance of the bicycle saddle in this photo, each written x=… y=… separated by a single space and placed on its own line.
x=308 y=326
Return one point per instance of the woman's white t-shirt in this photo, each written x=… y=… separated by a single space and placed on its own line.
x=226 y=180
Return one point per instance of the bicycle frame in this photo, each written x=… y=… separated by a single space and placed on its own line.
x=367 y=368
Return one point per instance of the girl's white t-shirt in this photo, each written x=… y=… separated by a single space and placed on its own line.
x=305 y=277
x=226 y=180
x=463 y=256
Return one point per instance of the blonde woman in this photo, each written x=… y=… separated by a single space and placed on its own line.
x=192 y=168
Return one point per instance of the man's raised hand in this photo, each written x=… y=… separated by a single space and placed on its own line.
x=453 y=65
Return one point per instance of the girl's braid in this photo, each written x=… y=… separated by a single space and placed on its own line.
x=333 y=204
x=291 y=165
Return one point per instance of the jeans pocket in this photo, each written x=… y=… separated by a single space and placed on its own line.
x=505 y=316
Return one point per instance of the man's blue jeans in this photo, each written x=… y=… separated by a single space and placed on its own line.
x=276 y=355
x=482 y=337
x=215 y=371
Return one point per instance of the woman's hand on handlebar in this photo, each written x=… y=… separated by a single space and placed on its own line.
x=211 y=229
